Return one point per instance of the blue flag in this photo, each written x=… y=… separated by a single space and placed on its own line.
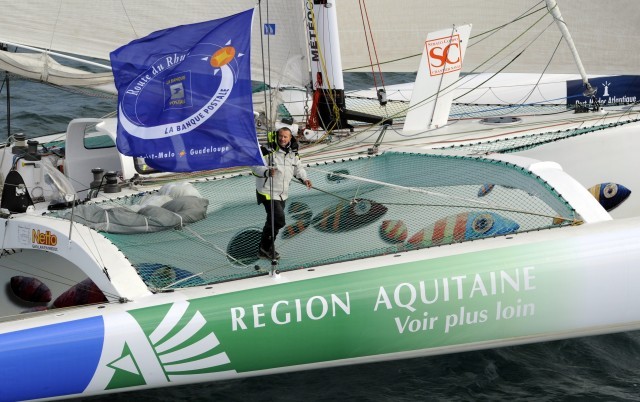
x=184 y=96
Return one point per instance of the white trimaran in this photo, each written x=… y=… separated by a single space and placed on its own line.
x=441 y=236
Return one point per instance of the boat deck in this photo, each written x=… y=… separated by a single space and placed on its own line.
x=360 y=208
x=417 y=200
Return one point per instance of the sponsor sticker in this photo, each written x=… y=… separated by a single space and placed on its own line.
x=444 y=55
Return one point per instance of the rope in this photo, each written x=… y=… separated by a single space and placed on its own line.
x=366 y=38
x=129 y=19
x=55 y=25
x=493 y=31
x=429 y=99
x=488 y=32
x=210 y=245
x=367 y=33
x=405 y=188
x=488 y=207
x=484 y=204
x=511 y=61
x=543 y=71
x=62 y=280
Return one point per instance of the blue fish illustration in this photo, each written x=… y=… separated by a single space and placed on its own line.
x=461 y=227
x=610 y=195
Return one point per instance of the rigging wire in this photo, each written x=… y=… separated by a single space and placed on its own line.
x=55 y=26
x=556 y=48
x=488 y=32
x=521 y=49
x=190 y=234
x=62 y=280
x=429 y=99
x=526 y=98
x=369 y=33
x=509 y=44
x=480 y=204
x=355 y=150
x=129 y=19
x=393 y=115
x=93 y=241
x=399 y=187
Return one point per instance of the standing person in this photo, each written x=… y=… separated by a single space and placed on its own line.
x=272 y=185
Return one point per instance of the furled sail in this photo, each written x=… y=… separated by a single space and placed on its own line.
x=42 y=67
x=93 y=28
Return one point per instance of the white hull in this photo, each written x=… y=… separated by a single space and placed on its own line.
x=557 y=272
x=470 y=234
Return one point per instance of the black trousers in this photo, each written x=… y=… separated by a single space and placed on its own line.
x=278 y=221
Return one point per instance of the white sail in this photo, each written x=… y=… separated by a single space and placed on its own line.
x=606 y=34
x=94 y=28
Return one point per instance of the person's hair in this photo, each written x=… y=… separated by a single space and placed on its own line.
x=293 y=143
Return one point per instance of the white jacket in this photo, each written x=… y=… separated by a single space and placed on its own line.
x=287 y=164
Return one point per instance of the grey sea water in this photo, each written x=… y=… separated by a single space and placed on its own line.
x=599 y=368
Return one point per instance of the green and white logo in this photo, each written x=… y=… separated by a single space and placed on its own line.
x=159 y=345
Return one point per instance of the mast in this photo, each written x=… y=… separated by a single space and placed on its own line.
x=553 y=8
x=326 y=68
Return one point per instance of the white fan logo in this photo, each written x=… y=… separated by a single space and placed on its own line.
x=170 y=354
